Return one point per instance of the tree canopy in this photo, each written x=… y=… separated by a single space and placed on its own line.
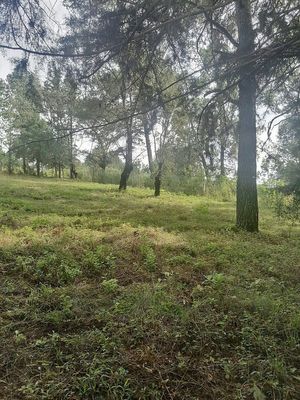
x=179 y=83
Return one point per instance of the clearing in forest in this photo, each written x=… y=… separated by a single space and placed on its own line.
x=125 y=296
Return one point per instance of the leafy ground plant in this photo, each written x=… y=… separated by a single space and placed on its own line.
x=125 y=296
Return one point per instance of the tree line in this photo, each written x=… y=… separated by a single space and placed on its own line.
x=189 y=81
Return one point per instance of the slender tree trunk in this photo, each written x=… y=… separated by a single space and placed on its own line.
x=59 y=170
x=129 y=134
x=73 y=173
x=148 y=145
x=38 y=168
x=24 y=166
x=129 y=158
x=102 y=175
x=205 y=166
x=247 y=204
x=222 y=160
x=10 y=166
x=157 y=180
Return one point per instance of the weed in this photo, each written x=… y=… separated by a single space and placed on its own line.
x=109 y=296
x=110 y=286
x=148 y=254
x=98 y=261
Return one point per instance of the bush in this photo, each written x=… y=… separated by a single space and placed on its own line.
x=190 y=184
x=287 y=207
x=284 y=205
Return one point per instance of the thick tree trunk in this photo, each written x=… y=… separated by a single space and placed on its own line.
x=157 y=180
x=125 y=176
x=247 y=203
x=59 y=170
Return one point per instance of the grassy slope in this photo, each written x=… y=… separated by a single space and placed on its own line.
x=124 y=296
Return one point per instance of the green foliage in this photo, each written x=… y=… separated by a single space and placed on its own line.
x=110 y=286
x=49 y=268
x=148 y=254
x=287 y=207
x=216 y=279
x=284 y=205
x=98 y=261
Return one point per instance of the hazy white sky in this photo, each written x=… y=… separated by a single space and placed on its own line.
x=53 y=9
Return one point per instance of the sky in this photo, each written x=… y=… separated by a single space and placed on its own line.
x=57 y=12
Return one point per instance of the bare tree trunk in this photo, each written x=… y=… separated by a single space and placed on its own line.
x=73 y=173
x=247 y=203
x=157 y=180
x=129 y=157
x=128 y=167
x=205 y=166
x=59 y=170
x=222 y=161
x=38 y=168
x=125 y=175
x=24 y=166
x=10 y=166
x=102 y=175
x=148 y=144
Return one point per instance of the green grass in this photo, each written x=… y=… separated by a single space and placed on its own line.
x=125 y=296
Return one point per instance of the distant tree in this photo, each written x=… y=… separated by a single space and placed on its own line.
x=28 y=136
x=284 y=158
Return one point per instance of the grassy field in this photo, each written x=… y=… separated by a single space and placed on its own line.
x=125 y=296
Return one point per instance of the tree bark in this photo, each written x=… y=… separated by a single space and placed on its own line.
x=148 y=145
x=102 y=175
x=24 y=166
x=129 y=134
x=38 y=168
x=222 y=161
x=73 y=173
x=204 y=165
x=247 y=203
x=157 y=180
x=10 y=166
x=125 y=176
x=129 y=157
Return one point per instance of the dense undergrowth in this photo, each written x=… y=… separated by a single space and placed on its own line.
x=126 y=296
